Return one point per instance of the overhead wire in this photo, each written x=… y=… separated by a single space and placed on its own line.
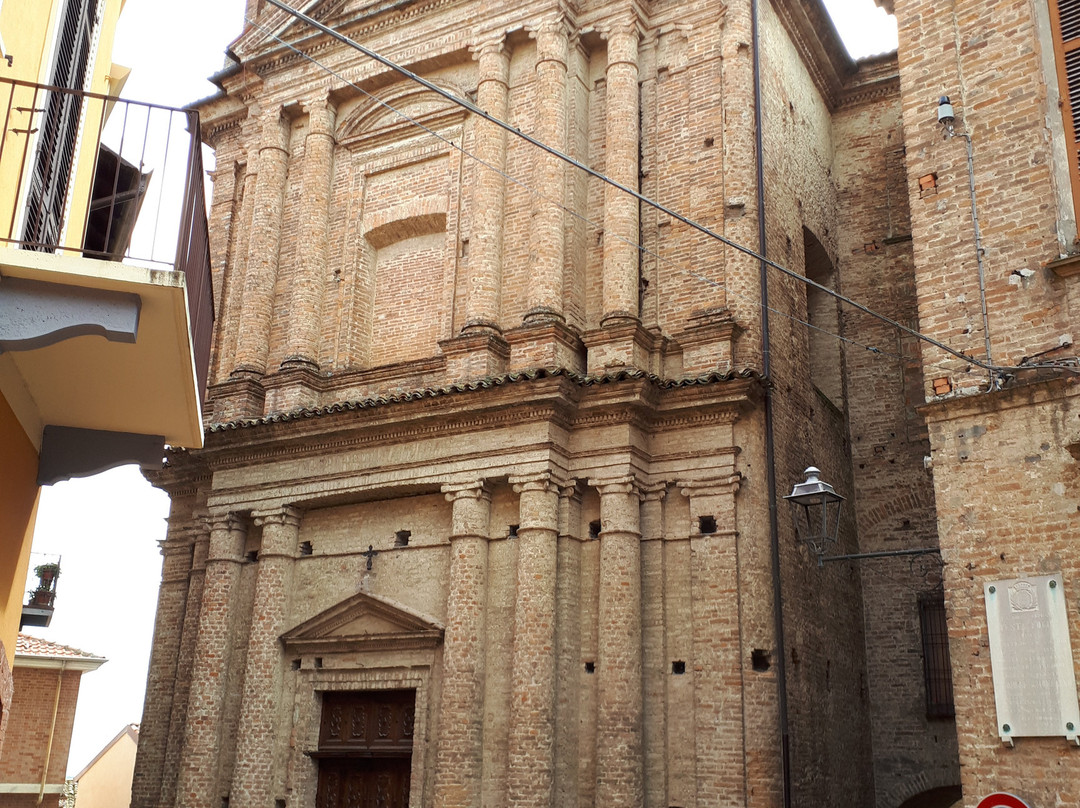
x=529 y=189
x=471 y=107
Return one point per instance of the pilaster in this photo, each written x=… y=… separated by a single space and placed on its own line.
x=622 y=127
x=654 y=662
x=460 y=754
x=532 y=704
x=484 y=276
x=619 y=715
x=195 y=582
x=260 y=276
x=197 y=781
x=254 y=782
x=160 y=689
x=547 y=236
x=306 y=291
x=718 y=700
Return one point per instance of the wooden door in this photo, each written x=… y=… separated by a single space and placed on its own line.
x=364 y=783
x=365 y=749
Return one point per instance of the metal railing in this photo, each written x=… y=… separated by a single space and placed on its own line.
x=110 y=179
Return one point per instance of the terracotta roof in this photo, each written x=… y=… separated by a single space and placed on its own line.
x=28 y=646
x=487 y=383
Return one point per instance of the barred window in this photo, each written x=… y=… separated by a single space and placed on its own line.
x=937 y=669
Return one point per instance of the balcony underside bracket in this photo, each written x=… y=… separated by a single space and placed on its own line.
x=36 y=314
x=68 y=452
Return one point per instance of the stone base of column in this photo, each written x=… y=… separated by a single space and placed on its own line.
x=708 y=341
x=546 y=344
x=239 y=397
x=296 y=386
x=475 y=355
x=624 y=343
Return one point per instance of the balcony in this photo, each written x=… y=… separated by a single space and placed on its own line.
x=106 y=306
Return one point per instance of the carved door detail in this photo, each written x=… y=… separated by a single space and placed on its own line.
x=365 y=749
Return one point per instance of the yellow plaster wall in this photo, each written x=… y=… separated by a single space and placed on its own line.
x=106 y=782
x=27 y=28
x=18 y=510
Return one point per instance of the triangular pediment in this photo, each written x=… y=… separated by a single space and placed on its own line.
x=364 y=622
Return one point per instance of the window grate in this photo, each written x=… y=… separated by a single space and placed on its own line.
x=937 y=668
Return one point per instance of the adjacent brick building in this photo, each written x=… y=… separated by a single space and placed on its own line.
x=33 y=764
x=488 y=510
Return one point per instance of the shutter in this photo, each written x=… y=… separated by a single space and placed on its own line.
x=55 y=157
x=1065 y=20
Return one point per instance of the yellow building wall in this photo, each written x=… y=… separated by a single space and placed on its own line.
x=106 y=782
x=28 y=29
x=18 y=508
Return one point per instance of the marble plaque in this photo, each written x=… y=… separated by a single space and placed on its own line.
x=1031 y=657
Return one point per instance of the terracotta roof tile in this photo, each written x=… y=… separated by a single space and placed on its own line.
x=487 y=383
x=25 y=645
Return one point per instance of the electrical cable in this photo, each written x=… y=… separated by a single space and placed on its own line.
x=529 y=189
x=469 y=106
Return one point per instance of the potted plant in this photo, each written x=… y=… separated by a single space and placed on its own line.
x=41 y=598
x=47 y=575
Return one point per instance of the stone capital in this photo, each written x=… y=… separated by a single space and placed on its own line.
x=471 y=516
x=607 y=486
x=224 y=520
x=654 y=492
x=274 y=126
x=552 y=35
x=544 y=481
x=478 y=490
x=621 y=25
x=228 y=534
x=286 y=515
x=321 y=114
x=493 y=45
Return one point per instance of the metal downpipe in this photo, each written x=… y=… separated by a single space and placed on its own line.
x=770 y=443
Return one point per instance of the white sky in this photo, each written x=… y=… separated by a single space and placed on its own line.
x=106 y=528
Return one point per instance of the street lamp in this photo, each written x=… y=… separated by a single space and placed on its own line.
x=815 y=509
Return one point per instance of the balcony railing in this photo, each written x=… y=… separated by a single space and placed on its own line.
x=111 y=179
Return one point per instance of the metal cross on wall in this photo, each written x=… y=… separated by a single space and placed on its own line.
x=369 y=554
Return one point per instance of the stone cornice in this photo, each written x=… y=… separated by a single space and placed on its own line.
x=818 y=45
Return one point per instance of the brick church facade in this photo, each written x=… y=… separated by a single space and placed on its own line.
x=489 y=510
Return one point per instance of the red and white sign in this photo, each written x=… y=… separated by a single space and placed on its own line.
x=1002 y=800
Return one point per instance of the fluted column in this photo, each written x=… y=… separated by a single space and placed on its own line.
x=532 y=701
x=460 y=755
x=484 y=278
x=260 y=276
x=197 y=785
x=162 y=674
x=195 y=582
x=619 y=713
x=546 y=237
x=306 y=293
x=253 y=779
x=621 y=158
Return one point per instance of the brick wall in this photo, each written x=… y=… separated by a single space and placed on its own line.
x=30 y=721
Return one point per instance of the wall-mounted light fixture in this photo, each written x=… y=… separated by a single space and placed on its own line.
x=815 y=509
